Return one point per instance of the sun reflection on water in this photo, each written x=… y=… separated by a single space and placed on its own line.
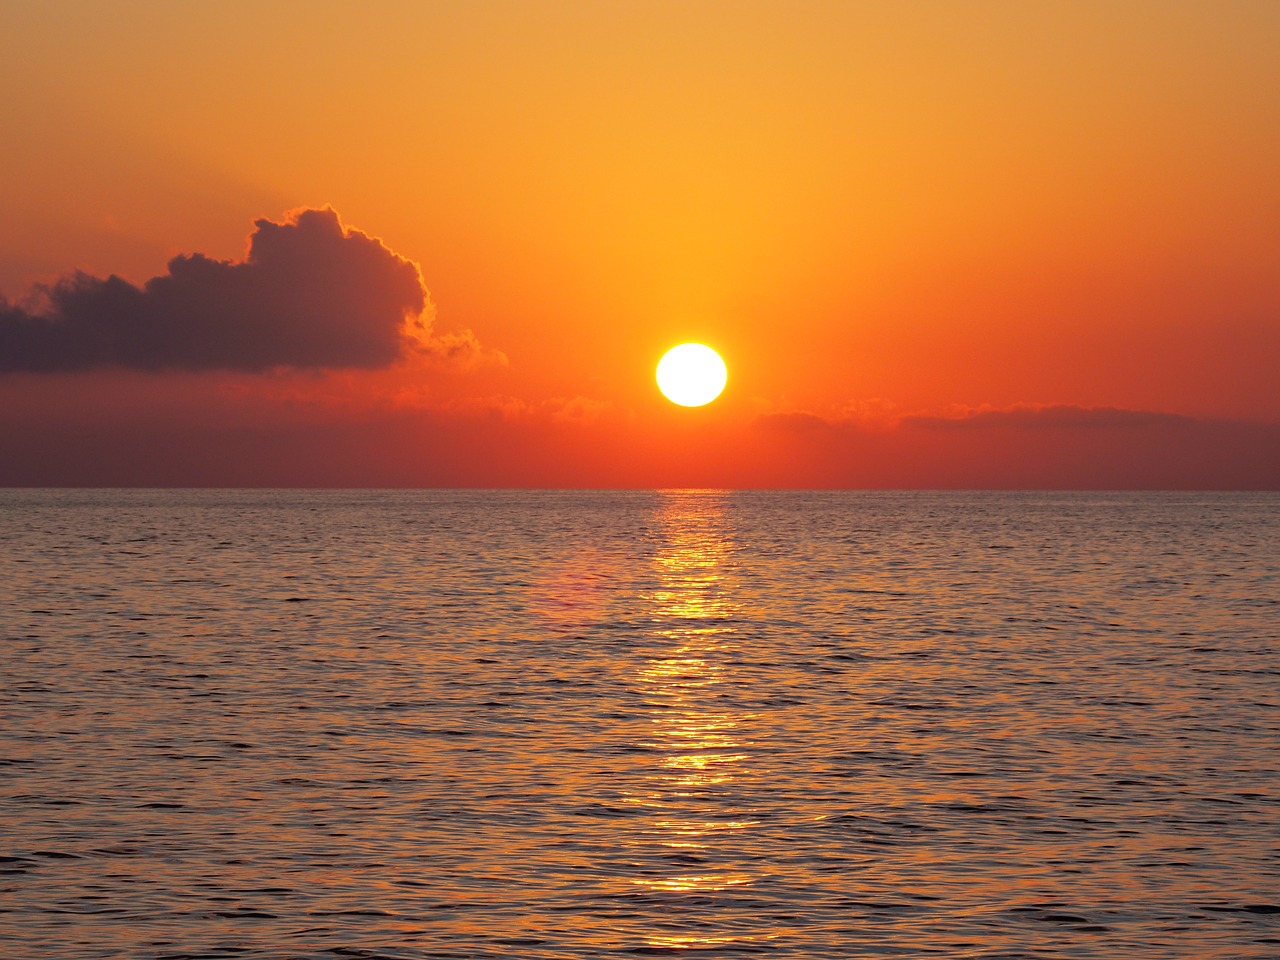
x=695 y=734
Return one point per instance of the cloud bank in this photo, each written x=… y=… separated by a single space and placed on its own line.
x=1026 y=446
x=1051 y=416
x=311 y=293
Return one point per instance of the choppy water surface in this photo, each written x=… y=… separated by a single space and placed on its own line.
x=486 y=724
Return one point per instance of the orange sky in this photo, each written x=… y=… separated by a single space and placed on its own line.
x=939 y=244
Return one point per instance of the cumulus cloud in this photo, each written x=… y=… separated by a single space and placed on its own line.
x=460 y=350
x=311 y=293
x=1055 y=416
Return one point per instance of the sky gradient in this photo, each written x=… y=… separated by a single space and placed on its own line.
x=938 y=244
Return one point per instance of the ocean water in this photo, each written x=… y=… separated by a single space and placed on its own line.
x=250 y=724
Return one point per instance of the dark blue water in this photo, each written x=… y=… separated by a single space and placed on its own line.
x=508 y=724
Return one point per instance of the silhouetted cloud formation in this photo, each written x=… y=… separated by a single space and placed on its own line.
x=310 y=293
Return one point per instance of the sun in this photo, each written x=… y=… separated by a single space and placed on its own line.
x=691 y=375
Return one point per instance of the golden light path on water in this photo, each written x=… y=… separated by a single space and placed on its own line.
x=700 y=747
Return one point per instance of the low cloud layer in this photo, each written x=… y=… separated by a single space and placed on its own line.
x=310 y=294
x=1027 y=446
x=1054 y=416
x=1017 y=417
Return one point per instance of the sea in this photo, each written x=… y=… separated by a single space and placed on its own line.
x=565 y=724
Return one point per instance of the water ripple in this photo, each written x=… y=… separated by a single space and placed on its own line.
x=282 y=724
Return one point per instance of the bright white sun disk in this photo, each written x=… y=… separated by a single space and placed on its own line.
x=691 y=374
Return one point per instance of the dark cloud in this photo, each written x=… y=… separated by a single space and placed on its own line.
x=1053 y=416
x=309 y=294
